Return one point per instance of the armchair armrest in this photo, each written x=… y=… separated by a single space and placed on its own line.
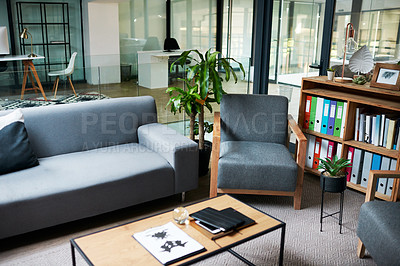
x=370 y=195
x=301 y=142
x=372 y=180
x=215 y=154
x=181 y=153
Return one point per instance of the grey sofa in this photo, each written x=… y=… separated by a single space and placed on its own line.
x=94 y=157
x=379 y=224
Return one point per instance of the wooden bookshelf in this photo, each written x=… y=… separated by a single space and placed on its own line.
x=386 y=101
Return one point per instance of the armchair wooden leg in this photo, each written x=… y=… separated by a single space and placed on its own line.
x=299 y=189
x=360 y=249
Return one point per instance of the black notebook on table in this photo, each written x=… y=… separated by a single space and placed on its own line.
x=227 y=219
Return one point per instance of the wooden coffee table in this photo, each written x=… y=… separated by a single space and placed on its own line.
x=116 y=246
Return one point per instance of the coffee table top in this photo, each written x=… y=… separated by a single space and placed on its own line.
x=116 y=246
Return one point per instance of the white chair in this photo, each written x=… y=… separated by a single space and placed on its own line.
x=66 y=72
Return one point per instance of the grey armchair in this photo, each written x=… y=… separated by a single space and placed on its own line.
x=379 y=223
x=250 y=155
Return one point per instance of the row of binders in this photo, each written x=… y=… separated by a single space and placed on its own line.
x=364 y=161
x=377 y=129
x=320 y=148
x=325 y=116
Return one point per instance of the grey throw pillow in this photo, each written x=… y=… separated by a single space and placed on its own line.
x=15 y=150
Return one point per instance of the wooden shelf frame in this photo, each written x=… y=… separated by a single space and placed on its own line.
x=386 y=101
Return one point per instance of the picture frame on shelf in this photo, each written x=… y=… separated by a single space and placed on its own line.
x=386 y=76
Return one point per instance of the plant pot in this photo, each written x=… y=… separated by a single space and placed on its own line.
x=331 y=74
x=333 y=184
x=204 y=157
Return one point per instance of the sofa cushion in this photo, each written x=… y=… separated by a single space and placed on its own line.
x=257 y=166
x=379 y=230
x=15 y=149
x=67 y=187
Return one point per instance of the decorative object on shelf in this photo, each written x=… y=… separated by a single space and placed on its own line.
x=360 y=80
x=350 y=46
x=386 y=76
x=331 y=73
x=361 y=62
x=333 y=179
x=180 y=215
x=24 y=35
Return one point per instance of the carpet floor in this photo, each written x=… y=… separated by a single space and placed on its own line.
x=304 y=243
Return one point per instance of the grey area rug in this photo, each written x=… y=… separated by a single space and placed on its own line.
x=35 y=102
x=304 y=243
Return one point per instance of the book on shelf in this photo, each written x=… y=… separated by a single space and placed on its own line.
x=325 y=116
x=312 y=112
x=385 y=132
x=331 y=120
x=366 y=168
x=389 y=186
x=368 y=126
x=310 y=151
x=357 y=124
x=318 y=114
x=361 y=135
x=168 y=243
x=338 y=119
x=350 y=155
x=317 y=152
x=382 y=130
x=306 y=123
x=382 y=182
x=358 y=158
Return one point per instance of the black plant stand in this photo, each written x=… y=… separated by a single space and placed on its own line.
x=340 y=188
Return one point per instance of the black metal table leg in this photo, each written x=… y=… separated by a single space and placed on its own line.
x=322 y=205
x=282 y=244
x=341 y=211
x=241 y=257
x=73 y=255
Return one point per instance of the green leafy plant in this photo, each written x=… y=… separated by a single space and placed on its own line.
x=208 y=127
x=330 y=69
x=334 y=167
x=204 y=86
x=360 y=80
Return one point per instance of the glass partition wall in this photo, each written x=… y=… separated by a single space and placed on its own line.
x=376 y=24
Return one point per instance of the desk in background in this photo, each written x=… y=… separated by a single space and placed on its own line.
x=153 y=68
x=29 y=69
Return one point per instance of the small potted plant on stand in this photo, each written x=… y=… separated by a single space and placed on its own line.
x=333 y=175
x=331 y=73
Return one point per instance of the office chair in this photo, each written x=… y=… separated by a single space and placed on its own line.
x=65 y=72
x=171 y=44
x=151 y=44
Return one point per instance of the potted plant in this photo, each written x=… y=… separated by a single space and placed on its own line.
x=333 y=175
x=331 y=73
x=204 y=154
x=203 y=86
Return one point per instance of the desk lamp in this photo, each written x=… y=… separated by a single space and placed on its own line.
x=350 y=46
x=24 y=35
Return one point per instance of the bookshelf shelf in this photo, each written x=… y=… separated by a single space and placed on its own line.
x=381 y=100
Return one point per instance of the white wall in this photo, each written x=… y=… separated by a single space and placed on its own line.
x=101 y=27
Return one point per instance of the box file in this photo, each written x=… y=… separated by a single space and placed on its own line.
x=318 y=114
x=382 y=182
x=325 y=116
x=331 y=120
x=366 y=168
x=312 y=113
x=338 y=119
x=358 y=158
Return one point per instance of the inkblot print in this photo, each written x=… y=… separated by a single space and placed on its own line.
x=160 y=235
x=169 y=245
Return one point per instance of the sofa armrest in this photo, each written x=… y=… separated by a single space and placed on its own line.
x=181 y=153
